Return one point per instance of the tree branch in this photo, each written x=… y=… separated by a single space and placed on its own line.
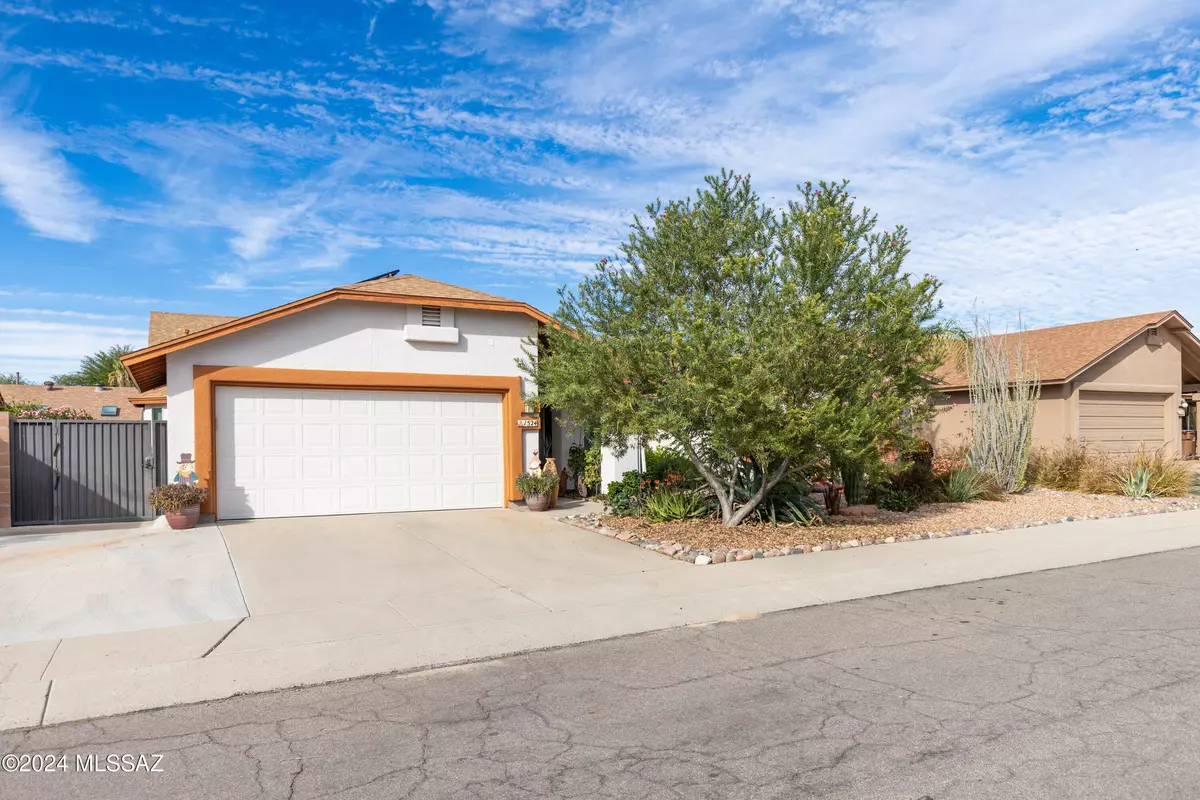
x=762 y=492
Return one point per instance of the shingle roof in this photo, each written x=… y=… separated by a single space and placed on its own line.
x=417 y=286
x=84 y=398
x=167 y=325
x=1063 y=352
x=148 y=366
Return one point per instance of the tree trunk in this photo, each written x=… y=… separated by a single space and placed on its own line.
x=724 y=497
x=763 y=491
x=725 y=493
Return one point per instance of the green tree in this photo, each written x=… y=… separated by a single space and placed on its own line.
x=13 y=379
x=747 y=335
x=102 y=368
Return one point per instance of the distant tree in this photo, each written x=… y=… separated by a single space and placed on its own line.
x=13 y=378
x=102 y=368
x=748 y=336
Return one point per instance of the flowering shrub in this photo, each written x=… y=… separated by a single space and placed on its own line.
x=62 y=412
x=945 y=465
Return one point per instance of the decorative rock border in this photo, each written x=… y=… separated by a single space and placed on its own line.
x=704 y=557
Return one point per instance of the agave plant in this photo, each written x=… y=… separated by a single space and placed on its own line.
x=1136 y=484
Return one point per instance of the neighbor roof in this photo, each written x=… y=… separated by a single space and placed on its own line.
x=85 y=398
x=416 y=286
x=1064 y=352
x=168 y=325
x=148 y=366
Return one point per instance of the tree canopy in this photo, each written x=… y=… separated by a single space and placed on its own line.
x=747 y=334
x=102 y=368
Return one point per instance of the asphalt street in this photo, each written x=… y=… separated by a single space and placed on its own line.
x=1075 y=683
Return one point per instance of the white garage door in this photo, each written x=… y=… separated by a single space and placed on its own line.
x=290 y=452
x=1121 y=422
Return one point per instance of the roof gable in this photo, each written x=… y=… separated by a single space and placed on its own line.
x=168 y=325
x=148 y=366
x=1063 y=352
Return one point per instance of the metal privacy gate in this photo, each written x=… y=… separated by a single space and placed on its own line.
x=85 y=471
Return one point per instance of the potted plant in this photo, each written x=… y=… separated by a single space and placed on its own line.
x=180 y=503
x=538 y=488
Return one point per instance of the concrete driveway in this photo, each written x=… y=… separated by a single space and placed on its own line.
x=85 y=581
x=324 y=578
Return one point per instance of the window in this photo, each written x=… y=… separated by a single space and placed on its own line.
x=431 y=316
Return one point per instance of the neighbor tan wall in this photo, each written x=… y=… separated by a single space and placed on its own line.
x=1136 y=367
x=951 y=424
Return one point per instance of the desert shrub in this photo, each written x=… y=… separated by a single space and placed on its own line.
x=624 y=498
x=1062 y=466
x=1166 y=474
x=912 y=477
x=671 y=505
x=968 y=485
x=1004 y=392
x=669 y=467
x=898 y=499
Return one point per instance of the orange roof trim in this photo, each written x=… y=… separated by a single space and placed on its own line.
x=1067 y=350
x=148 y=366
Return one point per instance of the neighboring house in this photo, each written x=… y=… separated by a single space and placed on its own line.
x=99 y=402
x=1116 y=384
x=396 y=393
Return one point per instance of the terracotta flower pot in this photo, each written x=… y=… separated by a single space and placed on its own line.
x=184 y=518
x=538 y=502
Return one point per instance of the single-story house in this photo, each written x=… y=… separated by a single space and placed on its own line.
x=395 y=393
x=1116 y=384
x=98 y=402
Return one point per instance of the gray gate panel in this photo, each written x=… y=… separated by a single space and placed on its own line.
x=102 y=476
x=85 y=471
x=32 y=463
x=162 y=464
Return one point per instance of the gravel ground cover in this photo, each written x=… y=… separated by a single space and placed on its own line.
x=708 y=539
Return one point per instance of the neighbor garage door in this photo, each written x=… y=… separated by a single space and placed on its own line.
x=289 y=452
x=1121 y=422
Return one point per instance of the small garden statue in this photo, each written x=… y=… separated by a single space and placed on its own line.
x=186 y=471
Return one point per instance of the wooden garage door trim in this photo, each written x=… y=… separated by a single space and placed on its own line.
x=206 y=379
x=1131 y=400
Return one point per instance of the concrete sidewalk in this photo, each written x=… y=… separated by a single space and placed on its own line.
x=70 y=679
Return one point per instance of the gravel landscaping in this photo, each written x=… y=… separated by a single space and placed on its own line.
x=707 y=541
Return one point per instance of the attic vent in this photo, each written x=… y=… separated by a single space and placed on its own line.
x=1154 y=338
x=431 y=316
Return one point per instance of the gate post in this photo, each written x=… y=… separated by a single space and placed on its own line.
x=5 y=471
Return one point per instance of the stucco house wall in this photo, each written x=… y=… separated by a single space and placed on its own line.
x=354 y=337
x=1137 y=367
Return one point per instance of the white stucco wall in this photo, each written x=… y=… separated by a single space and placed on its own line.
x=350 y=336
x=614 y=467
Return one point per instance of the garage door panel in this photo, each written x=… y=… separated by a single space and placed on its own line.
x=391 y=466
x=283 y=452
x=423 y=497
x=454 y=435
x=316 y=405
x=351 y=436
x=1122 y=422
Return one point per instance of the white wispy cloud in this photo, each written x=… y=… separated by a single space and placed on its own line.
x=39 y=185
x=1043 y=153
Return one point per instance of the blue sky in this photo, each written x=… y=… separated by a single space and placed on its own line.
x=223 y=157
